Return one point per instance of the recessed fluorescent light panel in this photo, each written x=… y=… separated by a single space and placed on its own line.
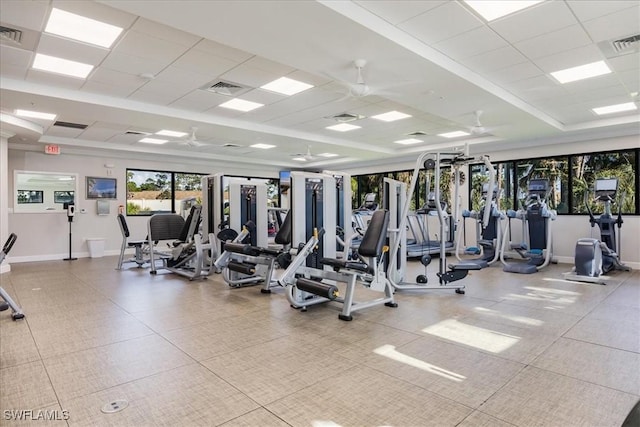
x=53 y=64
x=455 y=134
x=153 y=141
x=262 y=146
x=581 y=72
x=391 y=116
x=618 y=108
x=327 y=155
x=172 y=133
x=299 y=159
x=343 y=127
x=35 y=115
x=408 y=141
x=80 y=28
x=241 y=105
x=286 y=86
x=494 y=9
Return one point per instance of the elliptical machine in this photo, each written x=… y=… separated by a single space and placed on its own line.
x=596 y=257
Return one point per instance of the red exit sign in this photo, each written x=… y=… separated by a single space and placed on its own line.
x=52 y=149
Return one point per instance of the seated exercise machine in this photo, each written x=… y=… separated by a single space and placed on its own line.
x=400 y=202
x=536 y=247
x=7 y=301
x=141 y=247
x=244 y=264
x=308 y=286
x=186 y=253
x=594 y=257
x=489 y=232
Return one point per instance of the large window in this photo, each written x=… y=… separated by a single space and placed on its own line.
x=503 y=185
x=151 y=192
x=587 y=168
x=555 y=170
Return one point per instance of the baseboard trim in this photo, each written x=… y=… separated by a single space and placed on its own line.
x=56 y=257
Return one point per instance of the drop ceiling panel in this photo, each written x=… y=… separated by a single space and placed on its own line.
x=539 y=19
x=64 y=132
x=69 y=49
x=263 y=97
x=52 y=79
x=397 y=11
x=133 y=64
x=96 y=133
x=117 y=78
x=107 y=89
x=204 y=63
x=525 y=70
x=27 y=14
x=177 y=80
x=562 y=40
x=223 y=51
x=165 y=32
x=630 y=80
x=471 y=43
x=15 y=56
x=573 y=58
x=588 y=10
x=153 y=97
x=443 y=22
x=145 y=46
x=494 y=60
x=249 y=76
x=199 y=100
x=616 y=25
x=627 y=62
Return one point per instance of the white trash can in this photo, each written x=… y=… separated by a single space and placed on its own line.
x=96 y=247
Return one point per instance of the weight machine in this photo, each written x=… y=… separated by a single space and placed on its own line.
x=446 y=274
x=595 y=257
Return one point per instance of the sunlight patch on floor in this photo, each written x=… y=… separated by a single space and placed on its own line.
x=473 y=336
x=391 y=352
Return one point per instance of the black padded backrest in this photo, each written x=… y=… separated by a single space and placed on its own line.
x=123 y=225
x=165 y=227
x=189 y=227
x=9 y=243
x=376 y=235
x=284 y=234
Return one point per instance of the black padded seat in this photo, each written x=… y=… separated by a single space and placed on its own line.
x=283 y=237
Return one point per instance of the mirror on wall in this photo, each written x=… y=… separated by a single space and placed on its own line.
x=43 y=192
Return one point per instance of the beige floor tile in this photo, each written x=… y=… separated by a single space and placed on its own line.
x=628 y=293
x=268 y=371
x=55 y=336
x=547 y=399
x=260 y=417
x=51 y=415
x=206 y=340
x=463 y=375
x=186 y=396
x=84 y=372
x=26 y=386
x=593 y=363
x=623 y=334
x=606 y=311
x=365 y=397
x=480 y=419
x=16 y=342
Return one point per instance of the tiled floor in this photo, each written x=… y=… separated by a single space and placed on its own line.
x=523 y=350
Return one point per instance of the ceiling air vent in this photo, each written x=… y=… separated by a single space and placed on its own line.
x=346 y=117
x=225 y=88
x=626 y=43
x=11 y=34
x=417 y=133
x=619 y=47
x=136 y=132
x=229 y=145
x=70 y=125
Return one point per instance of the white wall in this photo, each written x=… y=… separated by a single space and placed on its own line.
x=45 y=236
x=4 y=194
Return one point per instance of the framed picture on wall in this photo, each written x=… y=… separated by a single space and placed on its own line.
x=101 y=188
x=30 y=196
x=63 y=196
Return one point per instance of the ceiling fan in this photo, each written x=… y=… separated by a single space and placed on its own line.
x=478 y=128
x=304 y=157
x=191 y=141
